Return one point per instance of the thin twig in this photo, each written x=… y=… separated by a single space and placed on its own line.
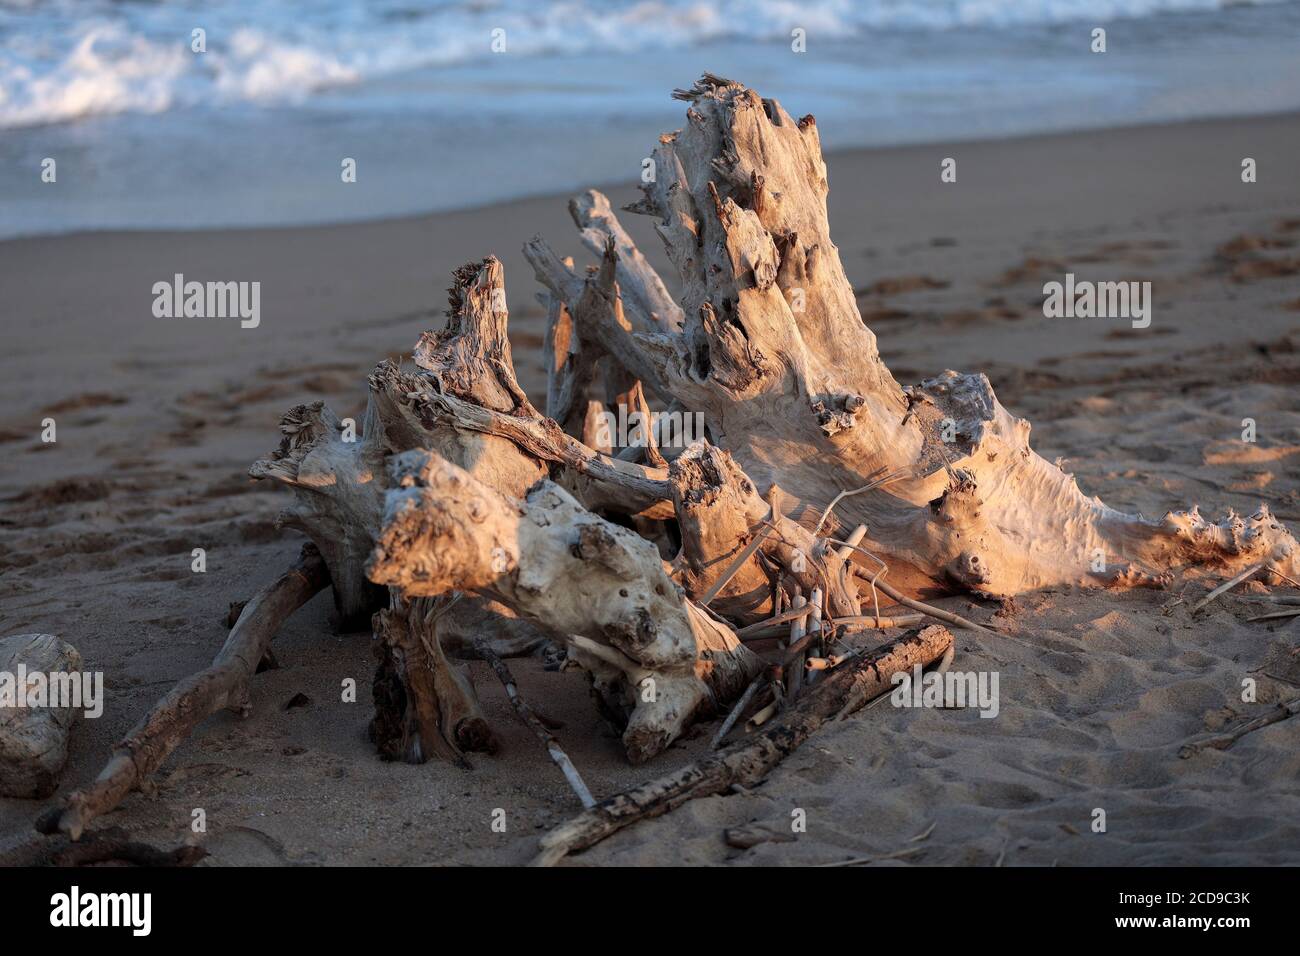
x=785 y=617
x=880 y=572
x=849 y=708
x=877 y=580
x=797 y=649
x=946 y=616
x=858 y=622
x=818 y=643
x=1226 y=585
x=1273 y=615
x=532 y=721
x=925 y=835
x=883 y=480
x=739 y=709
x=859 y=860
x=739 y=562
x=794 y=680
x=841 y=626
x=1289 y=580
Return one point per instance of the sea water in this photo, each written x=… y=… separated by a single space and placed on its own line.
x=454 y=104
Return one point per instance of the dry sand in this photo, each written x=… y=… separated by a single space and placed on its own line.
x=159 y=419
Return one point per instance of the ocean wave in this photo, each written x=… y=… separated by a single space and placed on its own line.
x=62 y=60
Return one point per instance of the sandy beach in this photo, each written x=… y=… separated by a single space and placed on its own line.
x=159 y=419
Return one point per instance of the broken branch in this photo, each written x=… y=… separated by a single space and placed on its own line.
x=222 y=685
x=748 y=761
x=1224 y=741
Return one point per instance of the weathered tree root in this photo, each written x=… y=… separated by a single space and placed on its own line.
x=653 y=655
x=223 y=685
x=338 y=497
x=720 y=512
x=457 y=493
x=462 y=402
x=466 y=404
x=748 y=761
x=425 y=705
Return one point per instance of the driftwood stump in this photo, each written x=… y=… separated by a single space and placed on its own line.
x=819 y=473
x=461 y=517
x=776 y=356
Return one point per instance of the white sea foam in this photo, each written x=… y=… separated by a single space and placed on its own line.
x=61 y=60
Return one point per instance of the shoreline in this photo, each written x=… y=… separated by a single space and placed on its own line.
x=832 y=155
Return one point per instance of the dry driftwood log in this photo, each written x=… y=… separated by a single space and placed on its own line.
x=34 y=739
x=223 y=685
x=110 y=846
x=748 y=761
